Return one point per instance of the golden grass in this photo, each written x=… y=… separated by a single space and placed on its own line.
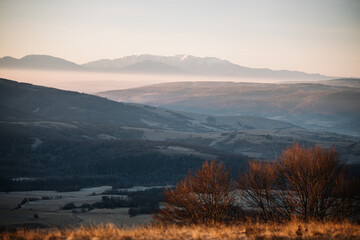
x=292 y=230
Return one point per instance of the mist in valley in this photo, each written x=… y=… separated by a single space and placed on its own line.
x=94 y=82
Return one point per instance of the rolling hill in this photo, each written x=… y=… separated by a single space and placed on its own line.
x=310 y=105
x=21 y=101
x=51 y=133
x=65 y=139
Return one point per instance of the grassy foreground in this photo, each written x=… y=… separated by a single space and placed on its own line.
x=291 y=230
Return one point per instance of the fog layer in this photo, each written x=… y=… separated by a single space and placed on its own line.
x=92 y=82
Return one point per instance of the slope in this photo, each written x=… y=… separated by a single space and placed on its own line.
x=313 y=105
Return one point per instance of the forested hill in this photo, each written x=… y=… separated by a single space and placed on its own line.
x=26 y=102
x=68 y=139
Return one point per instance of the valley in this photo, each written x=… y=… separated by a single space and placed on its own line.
x=45 y=210
x=68 y=140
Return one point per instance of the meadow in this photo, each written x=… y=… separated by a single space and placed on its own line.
x=294 y=229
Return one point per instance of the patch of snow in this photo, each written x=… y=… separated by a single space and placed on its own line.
x=184 y=57
x=106 y=137
x=213 y=143
x=142 y=188
x=20 y=179
x=151 y=123
x=45 y=124
x=320 y=123
x=37 y=142
x=252 y=154
x=198 y=123
x=36 y=110
x=186 y=151
x=87 y=137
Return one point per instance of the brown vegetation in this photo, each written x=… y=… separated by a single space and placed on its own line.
x=249 y=231
x=306 y=195
x=203 y=198
x=257 y=185
x=307 y=182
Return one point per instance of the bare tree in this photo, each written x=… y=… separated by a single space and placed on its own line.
x=257 y=184
x=307 y=182
x=316 y=182
x=203 y=198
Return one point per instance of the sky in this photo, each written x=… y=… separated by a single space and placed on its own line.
x=321 y=36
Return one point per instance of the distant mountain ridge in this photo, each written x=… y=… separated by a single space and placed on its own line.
x=39 y=62
x=146 y=63
x=202 y=66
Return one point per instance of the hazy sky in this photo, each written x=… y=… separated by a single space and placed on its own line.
x=321 y=36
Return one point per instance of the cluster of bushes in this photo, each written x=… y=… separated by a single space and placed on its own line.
x=309 y=183
x=138 y=202
x=112 y=202
x=69 y=206
x=25 y=200
x=84 y=207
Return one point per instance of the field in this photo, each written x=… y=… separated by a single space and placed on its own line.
x=47 y=213
x=292 y=230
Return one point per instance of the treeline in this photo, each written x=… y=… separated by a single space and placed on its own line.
x=66 y=165
x=61 y=184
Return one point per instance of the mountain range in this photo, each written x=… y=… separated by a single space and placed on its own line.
x=39 y=62
x=146 y=63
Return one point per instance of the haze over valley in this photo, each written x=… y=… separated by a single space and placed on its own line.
x=136 y=71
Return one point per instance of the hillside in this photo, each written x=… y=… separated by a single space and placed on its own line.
x=20 y=101
x=75 y=140
x=310 y=105
x=47 y=132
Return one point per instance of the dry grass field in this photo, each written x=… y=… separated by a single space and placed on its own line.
x=292 y=230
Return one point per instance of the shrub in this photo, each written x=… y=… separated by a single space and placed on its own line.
x=307 y=182
x=203 y=198
x=69 y=206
